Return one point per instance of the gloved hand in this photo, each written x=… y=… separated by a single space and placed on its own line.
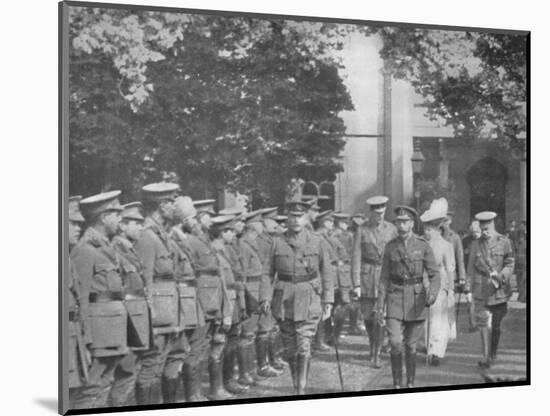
x=265 y=307
x=327 y=311
x=226 y=323
x=356 y=293
x=430 y=300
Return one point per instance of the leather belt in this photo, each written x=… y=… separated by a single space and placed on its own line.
x=134 y=294
x=296 y=278
x=105 y=296
x=253 y=279
x=187 y=283
x=208 y=272
x=163 y=277
x=235 y=286
x=405 y=281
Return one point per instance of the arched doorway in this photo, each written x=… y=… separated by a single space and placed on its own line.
x=487 y=179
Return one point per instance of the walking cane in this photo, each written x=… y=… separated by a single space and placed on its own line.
x=428 y=340
x=337 y=357
x=458 y=308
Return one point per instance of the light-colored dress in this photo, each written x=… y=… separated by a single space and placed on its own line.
x=442 y=323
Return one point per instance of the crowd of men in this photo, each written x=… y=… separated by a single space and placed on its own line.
x=161 y=286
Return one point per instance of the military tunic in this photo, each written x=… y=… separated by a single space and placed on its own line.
x=98 y=268
x=304 y=282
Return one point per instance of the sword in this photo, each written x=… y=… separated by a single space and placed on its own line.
x=338 y=358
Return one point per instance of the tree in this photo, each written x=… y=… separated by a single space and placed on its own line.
x=475 y=81
x=234 y=103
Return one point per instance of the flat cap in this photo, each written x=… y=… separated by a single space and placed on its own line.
x=205 y=206
x=297 y=207
x=325 y=215
x=74 y=209
x=270 y=212
x=132 y=211
x=404 y=212
x=161 y=191
x=485 y=216
x=252 y=216
x=97 y=204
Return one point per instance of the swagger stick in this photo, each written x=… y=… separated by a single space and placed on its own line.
x=338 y=358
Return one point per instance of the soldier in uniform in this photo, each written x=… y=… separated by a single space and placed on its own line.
x=222 y=235
x=402 y=292
x=368 y=249
x=139 y=323
x=78 y=329
x=264 y=242
x=281 y=224
x=98 y=268
x=156 y=252
x=303 y=290
x=212 y=294
x=343 y=285
x=312 y=212
x=256 y=328
x=490 y=267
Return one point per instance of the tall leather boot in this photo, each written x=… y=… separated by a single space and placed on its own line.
x=397 y=369
x=274 y=348
x=252 y=360
x=495 y=338
x=377 y=339
x=244 y=367
x=486 y=362
x=231 y=385
x=264 y=368
x=169 y=389
x=410 y=365
x=319 y=342
x=353 y=320
x=192 y=382
x=293 y=364
x=302 y=372
x=217 y=391
x=143 y=394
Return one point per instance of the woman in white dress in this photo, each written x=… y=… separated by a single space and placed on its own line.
x=440 y=319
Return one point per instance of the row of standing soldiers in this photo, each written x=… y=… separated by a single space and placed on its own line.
x=151 y=296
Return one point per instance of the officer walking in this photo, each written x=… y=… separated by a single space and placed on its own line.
x=402 y=292
x=490 y=267
x=139 y=323
x=370 y=240
x=78 y=329
x=156 y=252
x=98 y=268
x=303 y=290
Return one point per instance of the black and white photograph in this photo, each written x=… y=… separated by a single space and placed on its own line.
x=262 y=206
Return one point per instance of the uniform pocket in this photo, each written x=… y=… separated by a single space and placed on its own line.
x=108 y=325
x=188 y=306
x=165 y=304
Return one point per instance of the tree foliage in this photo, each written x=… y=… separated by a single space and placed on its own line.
x=475 y=81
x=214 y=102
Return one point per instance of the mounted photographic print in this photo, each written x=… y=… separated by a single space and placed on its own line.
x=262 y=206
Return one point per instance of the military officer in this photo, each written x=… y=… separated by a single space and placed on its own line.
x=156 y=252
x=281 y=222
x=256 y=328
x=303 y=290
x=78 y=329
x=368 y=249
x=402 y=292
x=139 y=323
x=98 y=268
x=268 y=327
x=343 y=284
x=222 y=234
x=212 y=294
x=490 y=267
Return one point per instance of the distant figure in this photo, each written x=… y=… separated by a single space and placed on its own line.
x=521 y=262
x=474 y=234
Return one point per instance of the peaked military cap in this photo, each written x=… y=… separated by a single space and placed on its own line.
x=485 y=216
x=205 y=206
x=341 y=216
x=232 y=211
x=450 y=213
x=325 y=215
x=312 y=203
x=253 y=216
x=74 y=209
x=270 y=212
x=297 y=207
x=404 y=212
x=97 y=204
x=281 y=218
x=432 y=217
x=223 y=222
x=161 y=191
x=132 y=211
x=377 y=203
